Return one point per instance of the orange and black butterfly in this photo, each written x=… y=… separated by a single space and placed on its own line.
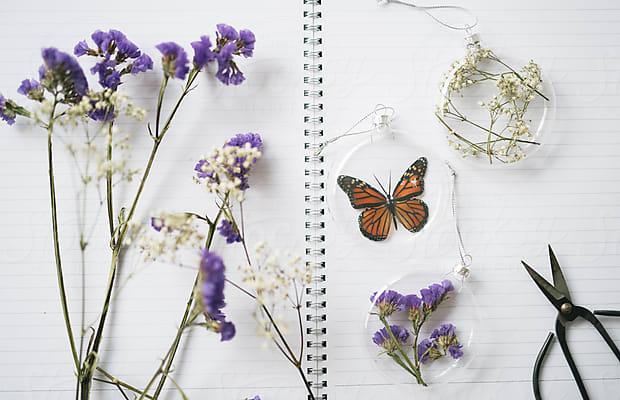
x=381 y=209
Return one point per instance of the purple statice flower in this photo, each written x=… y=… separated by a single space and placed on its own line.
x=387 y=302
x=383 y=339
x=81 y=48
x=227 y=32
x=62 y=70
x=31 y=89
x=174 y=60
x=202 y=52
x=142 y=64
x=241 y=139
x=227 y=70
x=246 y=43
x=227 y=229
x=435 y=293
x=5 y=113
x=444 y=330
x=411 y=303
x=203 y=173
x=212 y=272
x=455 y=351
x=425 y=348
x=158 y=223
x=118 y=56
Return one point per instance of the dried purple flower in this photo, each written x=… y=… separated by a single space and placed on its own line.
x=241 y=139
x=387 y=302
x=227 y=32
x=62 y=70
x=246 y=43
x=202 y=52
x=447 y=285
x=227 y=229
x=212 y=272
x=174 y=60
x=411 y=303
x=383 y=339
x=31 y=89
x=455 y=351
x=142 y=64
x=444 y=330
x=81 y=48
x=227 y=70
x=435 y=293
x=425 y=347
x=158 y=223
x=5 y=113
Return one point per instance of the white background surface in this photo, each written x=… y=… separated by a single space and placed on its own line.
x=567 y=196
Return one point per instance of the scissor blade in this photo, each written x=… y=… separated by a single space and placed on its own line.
x=558 y=277
x=555 y=297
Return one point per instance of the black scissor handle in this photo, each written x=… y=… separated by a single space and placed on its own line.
x=538 y=364
x=585 y=314
x=607 y=313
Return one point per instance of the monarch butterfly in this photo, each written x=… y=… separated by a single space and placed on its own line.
x=380 y=210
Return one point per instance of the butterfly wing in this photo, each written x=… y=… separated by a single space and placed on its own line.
x=375 y=222
x=411 y=184
x=412 y=213
x=361 y=194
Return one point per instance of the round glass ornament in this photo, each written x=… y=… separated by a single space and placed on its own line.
x=493 y=113
x=460 y=308
x=380 y=160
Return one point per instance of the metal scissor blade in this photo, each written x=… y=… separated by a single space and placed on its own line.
x=555 y=296
x=558 y=277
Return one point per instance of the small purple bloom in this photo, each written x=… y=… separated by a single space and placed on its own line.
x=447 y=285
x=227 y=32
x=432 y=295
x=142 y=64
x=81 y=48
x=424 y=348
x=102 y=40
x=157 y=223
x=61 y=69
x=112 y=80
x=227 y=71
x=444 y=330
x=174 y=60
x=387 y=302
x=202 y=52
x=212 y=270
x=410 y=303
x=31 y=88
x=128 y=48
x=383 y=339
x=227 y=229
x=241 y=139
x=4 y=113
x=246 y=41
x=202 y=174
x=455 y=351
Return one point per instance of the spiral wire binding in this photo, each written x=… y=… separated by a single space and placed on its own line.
x=315 y=304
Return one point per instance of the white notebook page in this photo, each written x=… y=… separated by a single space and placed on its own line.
x=396 y=56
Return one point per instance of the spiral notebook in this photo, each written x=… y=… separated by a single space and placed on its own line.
x=319 y=67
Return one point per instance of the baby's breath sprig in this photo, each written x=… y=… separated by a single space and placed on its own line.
x=507 y=134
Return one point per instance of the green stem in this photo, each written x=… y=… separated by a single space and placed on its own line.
x=92 y=357
x=115 y=381
x=415 y=369
x=495 y=58
x=59 y=272
x=108 y=179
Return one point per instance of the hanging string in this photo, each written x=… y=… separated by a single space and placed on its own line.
x=462 y=268
x=429 y=11
x=381 y=122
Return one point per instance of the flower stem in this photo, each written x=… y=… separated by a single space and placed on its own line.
x=108 y=181
x=59 y=272
x=115 y=381
x=90 y=362
x=415 y=368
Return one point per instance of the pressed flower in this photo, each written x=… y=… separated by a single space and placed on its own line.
x=62 y=70
x=425 y=348
x=142 y=64
x=227 y=229
x=455 y=351
x=227 y=71
x=227 y=32
x=241 y=139
x=246 y=43
x=5 y=113
x=213 y=279
x=411 y=303
x=174 y=60
x=383 y=339
x=202 y=52
x=387 y=302
x=81 y=48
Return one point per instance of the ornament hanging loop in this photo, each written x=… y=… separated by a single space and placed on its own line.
x=461 y=268
x=383 y=117
x=430 y=11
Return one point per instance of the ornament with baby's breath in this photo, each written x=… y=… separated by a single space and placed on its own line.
x=492 y=111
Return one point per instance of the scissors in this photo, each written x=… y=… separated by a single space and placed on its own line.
x=559 y=296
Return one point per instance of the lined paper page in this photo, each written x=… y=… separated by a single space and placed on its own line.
x=566 y=195
x=35 y=361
